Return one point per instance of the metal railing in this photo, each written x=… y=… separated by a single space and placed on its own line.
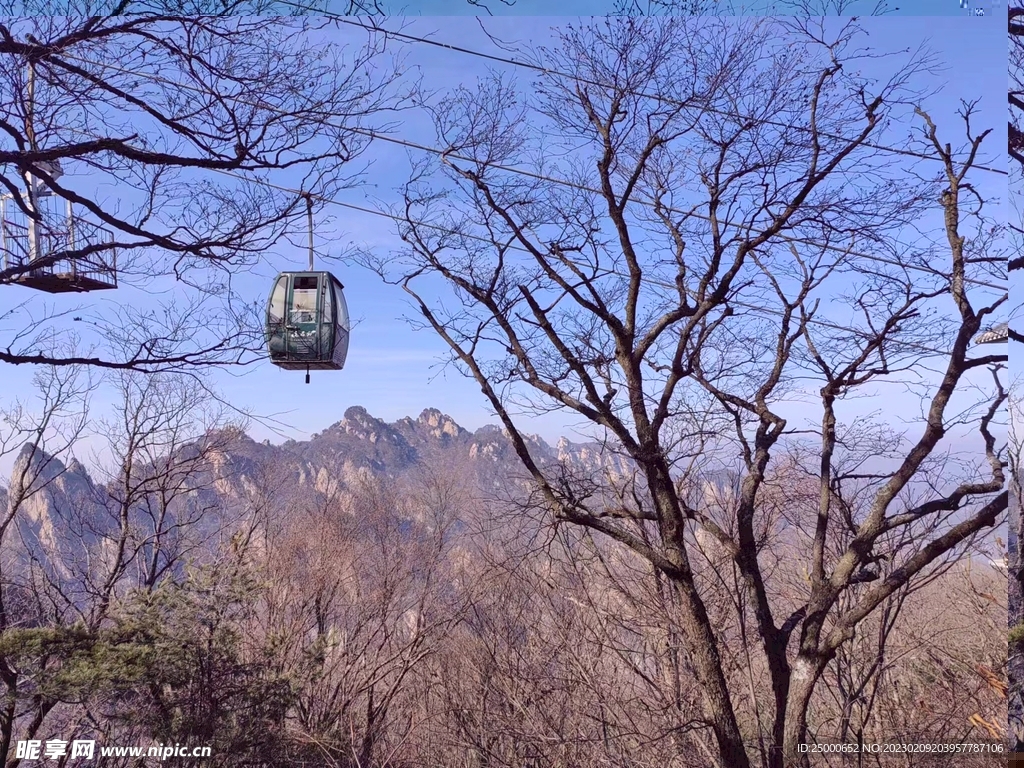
x=24 y=242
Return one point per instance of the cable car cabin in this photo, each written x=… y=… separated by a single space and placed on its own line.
x=307 y=322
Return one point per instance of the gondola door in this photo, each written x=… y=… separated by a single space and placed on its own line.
x=302 y=326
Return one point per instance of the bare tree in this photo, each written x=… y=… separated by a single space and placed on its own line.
x=351 y=610
x=139 y=146
x=1015 y=150
x=1016 y=91
x=75 y=548
x=753 y=7
x=190 y=8
x=1015 y=135
x=1015 y=573
x=44 y=438
x=670 y=236
x=158 y=491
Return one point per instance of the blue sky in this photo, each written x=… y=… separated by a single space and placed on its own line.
x=392 y=370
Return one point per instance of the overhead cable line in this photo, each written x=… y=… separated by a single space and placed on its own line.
x=480 y=238
x=557 y=73
x=444 y=154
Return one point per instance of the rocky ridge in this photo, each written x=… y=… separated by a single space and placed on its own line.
x=70 y=517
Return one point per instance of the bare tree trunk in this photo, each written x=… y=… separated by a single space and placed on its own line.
x=698 y=636
x=804 y=678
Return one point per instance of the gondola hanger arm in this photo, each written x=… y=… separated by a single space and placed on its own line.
x=309 y=222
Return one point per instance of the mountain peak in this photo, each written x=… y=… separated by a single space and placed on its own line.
x=359 y=415
x=440 y=423
x=32 y=459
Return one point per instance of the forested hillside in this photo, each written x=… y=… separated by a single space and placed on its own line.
x=389 y=595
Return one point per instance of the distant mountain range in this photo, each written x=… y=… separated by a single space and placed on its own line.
x=67 y=526
x=361 y=440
